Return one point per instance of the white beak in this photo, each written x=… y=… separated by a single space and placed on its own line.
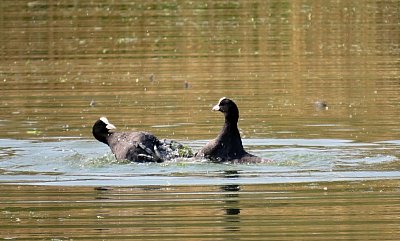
x=111 y=127
x=215 y=108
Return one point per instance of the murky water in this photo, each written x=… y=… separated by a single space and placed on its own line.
x=160 y=66
x=360 y=210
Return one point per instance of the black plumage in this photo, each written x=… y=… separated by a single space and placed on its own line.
x=137 y=146
x=228 y=144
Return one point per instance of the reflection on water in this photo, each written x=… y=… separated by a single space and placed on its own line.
x=317 y=84
x=160 y=67
x=308 y=211
x=232 y=202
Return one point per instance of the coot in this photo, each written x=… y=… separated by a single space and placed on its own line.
x=137 y=146
x=227 y=147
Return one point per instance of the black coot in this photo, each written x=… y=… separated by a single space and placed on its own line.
x=137 y=146
x=228 y=144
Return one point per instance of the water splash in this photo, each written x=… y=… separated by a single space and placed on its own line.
x=83 y=162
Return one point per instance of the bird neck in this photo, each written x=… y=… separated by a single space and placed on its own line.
x=230 y=132
x=100 y=136
x=232 y=118
x=231 y=125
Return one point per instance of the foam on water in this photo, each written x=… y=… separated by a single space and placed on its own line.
x=86 y=162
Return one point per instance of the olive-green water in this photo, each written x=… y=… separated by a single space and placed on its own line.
x=160 y=66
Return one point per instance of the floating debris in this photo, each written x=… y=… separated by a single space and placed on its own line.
x=92 y=103
x=33 y=132
x=187 y=85
x=321 y=105
x=152 y=78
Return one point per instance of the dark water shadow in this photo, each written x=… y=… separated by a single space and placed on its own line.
x=231 y=202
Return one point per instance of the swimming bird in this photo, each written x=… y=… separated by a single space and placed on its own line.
x=227 y=146
x=137 y=146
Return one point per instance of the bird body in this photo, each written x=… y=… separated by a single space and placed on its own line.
x=227 y=146
x=137 y=146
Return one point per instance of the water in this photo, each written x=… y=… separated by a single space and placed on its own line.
x=160 y=67
x=89 y=163
x=255 y=212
